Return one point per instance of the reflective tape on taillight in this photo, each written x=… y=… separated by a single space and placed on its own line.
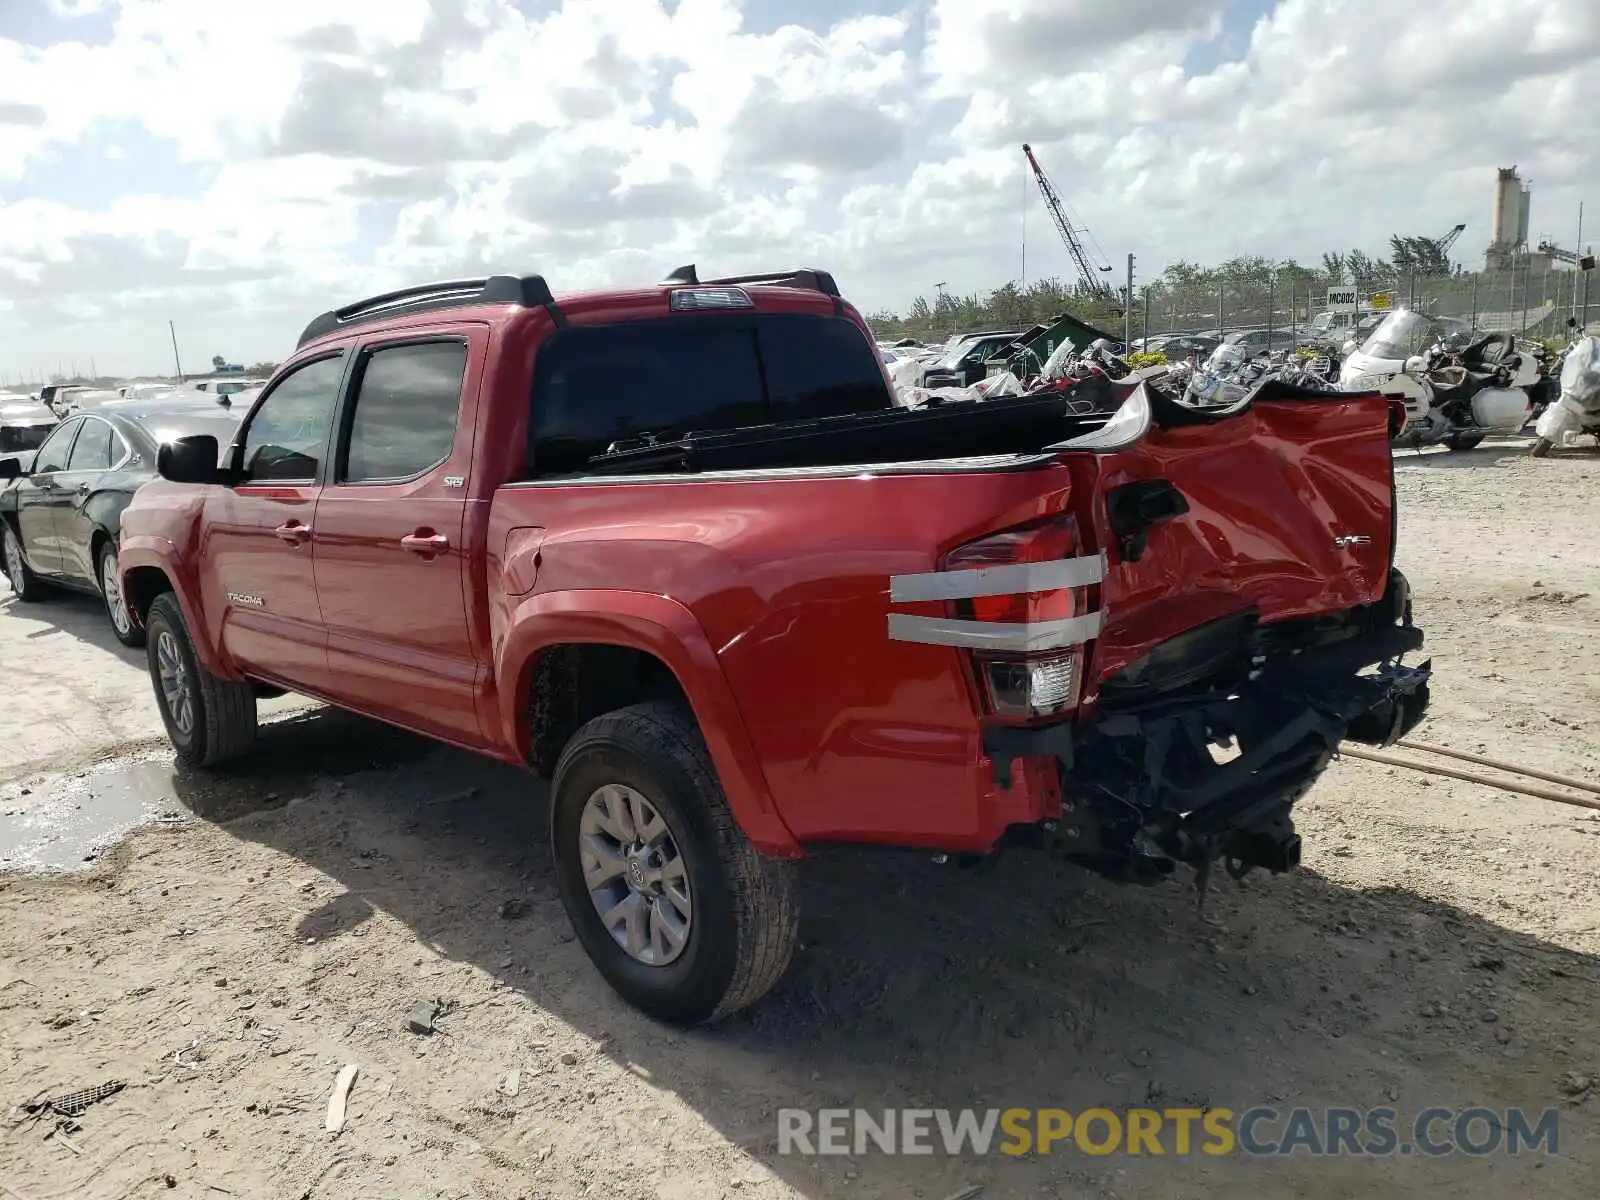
x=1020 y=601
x=1020 y=591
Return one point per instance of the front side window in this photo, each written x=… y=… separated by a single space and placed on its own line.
x=52 y=455
x=405 y=411
x=289 y=432
x=92 y=450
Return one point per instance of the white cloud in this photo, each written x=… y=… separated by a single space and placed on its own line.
x=238 y=167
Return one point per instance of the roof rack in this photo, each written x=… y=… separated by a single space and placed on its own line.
x=809 y=278
x=530 y=291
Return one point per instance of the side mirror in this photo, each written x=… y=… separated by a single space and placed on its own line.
x=1416 y=365
x=1349 y=348
x=190 y=459
x=10 y=468
x=1572 y=322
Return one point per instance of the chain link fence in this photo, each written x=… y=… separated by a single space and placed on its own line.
x=1531 y=302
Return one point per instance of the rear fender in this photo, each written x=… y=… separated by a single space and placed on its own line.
x=666 y=629
x=150 y=551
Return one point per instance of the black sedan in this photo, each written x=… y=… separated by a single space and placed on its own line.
x=61 y=515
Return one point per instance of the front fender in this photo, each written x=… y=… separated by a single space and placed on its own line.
x=146 y=551
x=662 y=627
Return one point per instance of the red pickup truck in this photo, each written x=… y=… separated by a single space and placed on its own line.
x=677 y=550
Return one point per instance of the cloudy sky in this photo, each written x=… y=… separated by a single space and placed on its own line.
x=236 y=166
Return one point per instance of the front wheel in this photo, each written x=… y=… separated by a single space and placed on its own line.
x=672 y=903
x=1464 y=441
x=128 y=631
x=209 y=720
x=1541 y=448
x=24 y=583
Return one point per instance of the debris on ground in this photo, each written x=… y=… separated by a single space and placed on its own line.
x=340 y=1097
x=511 y=909
x=74 y=1104
x=1575 y=1084
x=425 y=1014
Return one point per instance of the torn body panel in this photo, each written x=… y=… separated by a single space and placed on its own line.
x=1200 y=750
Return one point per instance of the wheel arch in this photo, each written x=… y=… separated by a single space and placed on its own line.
x=572 y=655
x=148 y=570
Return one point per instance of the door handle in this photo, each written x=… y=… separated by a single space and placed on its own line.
x=427 y=544
x=294 y=533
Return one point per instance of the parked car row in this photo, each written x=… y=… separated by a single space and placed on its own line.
x=64 y=494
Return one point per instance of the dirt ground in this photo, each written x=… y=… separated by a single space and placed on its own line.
x=1439 y=947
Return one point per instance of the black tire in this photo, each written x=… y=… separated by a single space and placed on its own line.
x=1541 y=448
x=1460 y=442
x=129 y=632
x=25 y=585
x=745 y=916
x=222 y=721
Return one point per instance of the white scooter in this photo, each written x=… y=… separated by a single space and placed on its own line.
x=1578 y=409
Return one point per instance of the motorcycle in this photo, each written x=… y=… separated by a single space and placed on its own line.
x=1578 y=409
x=1456 y=399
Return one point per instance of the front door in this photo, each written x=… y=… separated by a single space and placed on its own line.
x=40 y=493
x=391 y=552
x=261 y=589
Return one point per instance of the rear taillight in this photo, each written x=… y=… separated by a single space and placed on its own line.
x=1041 y=557
x=1032 y=686
x=1020 y=601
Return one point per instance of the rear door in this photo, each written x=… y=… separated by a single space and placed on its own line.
x=39 y=495
x=391 y=557
x=261 y=589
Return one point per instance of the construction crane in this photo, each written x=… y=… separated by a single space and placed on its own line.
x=1090 y=269
x=1450 y=239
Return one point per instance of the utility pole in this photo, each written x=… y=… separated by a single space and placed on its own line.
x=1023 y=270
x=1527 y=280
x=1272 y=297
x=1577 y=246
x=1127 y=311
x=177 y=362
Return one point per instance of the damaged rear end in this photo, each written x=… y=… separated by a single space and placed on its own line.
x=1188 y=646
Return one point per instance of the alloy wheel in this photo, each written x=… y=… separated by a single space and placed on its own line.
x=637 y=878
x=111 y=588
x=15 y=570
x=177 y=690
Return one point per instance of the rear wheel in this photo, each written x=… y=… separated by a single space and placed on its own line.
x=672 y=903
x=24 y=583
x=128 y=631
x=209 y=720
x=1541 y=447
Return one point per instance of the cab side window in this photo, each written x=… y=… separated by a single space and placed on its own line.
x=405 y=411
x=288 y=434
